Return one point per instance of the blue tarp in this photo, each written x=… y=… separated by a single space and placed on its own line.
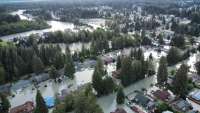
x=50 y=101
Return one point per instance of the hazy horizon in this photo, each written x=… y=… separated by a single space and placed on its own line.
x=80 y=1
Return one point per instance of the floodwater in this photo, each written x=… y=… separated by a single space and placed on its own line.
x=82 y=76
x=190 y=62
x=108 y=103
x=55 y=26
x=95 y=22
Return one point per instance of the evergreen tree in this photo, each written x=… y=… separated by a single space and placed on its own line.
x=100 y=81
x=86 y=104
x=178 y=41
x=69 y=66
x=197 y=66
x=118 y=65
x=151 y=67
x=2 y=75
x=5 y=104
x=37 y=65
x=173 y=56
x=40 y=104
x=162 y=73
x=180 y=82
x=120 y=96
x=53 y=73
x=97 y=76
x=126 y=71
x=59 y=61
x=160 y=39
x=69 y=102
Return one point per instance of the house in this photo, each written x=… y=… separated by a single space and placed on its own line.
x=119 y=110
x=28 y=107
x=116 y=74
x=195 y=78
x=181 y=105
x=64 y=93
x=162 y=95
x=195 y=96
x=40 y=78
x=141 y=100
x=136 y=109
x=108 y=60
x=5 y=88
x=20 y=84
x=50 y=101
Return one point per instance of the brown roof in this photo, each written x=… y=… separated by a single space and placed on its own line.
x=28 y=107
x=119 y=110
x=116 y=74
x=163 y=95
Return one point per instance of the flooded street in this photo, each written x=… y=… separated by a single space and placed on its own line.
x=84 y=70
x=108 y=103
x=84 y=73
x=83 y=76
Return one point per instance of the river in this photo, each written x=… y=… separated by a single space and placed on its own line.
x=84 y=75
x=55 y=26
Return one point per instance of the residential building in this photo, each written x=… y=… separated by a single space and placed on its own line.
x=28 y=107
x=119 y=110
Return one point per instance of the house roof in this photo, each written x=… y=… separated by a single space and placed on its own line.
x=119 y=110
x=163 y=95
x=64 y=93
x=141 y=99
x=28 y=107
x=182 y=105
x=196 y=95
x=5 y=88
x=40 y=78
x=116 y=73
x=20 y=84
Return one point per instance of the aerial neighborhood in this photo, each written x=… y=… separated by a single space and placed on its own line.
x=100 y=56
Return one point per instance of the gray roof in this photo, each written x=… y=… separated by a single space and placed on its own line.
x=20 y=84
x=141 y=99
x=183 y=105
x=40 y=78
x=5 y=88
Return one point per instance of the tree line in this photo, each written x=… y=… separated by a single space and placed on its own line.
x=18 y=60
